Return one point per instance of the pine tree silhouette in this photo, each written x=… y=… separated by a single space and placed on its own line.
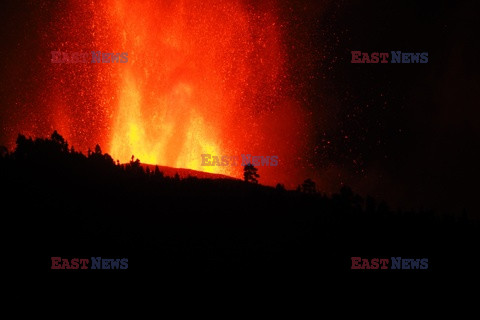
x=250 y=173
x=309 y=186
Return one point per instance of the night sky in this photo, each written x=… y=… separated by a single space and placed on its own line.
x=412 y=128
x=405 y=133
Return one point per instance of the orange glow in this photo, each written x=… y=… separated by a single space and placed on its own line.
x=191 y=66
x=201 y=77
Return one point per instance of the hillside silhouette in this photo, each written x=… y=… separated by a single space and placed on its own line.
x=184 y=173
x=60 y=202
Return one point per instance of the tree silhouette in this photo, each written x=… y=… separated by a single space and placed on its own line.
x=59 y=141
x=135 y=166
x=157 y=173
x=309 y=186
x=250 y=173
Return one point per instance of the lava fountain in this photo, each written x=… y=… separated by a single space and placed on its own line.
x=201 y=77
x=197 y=70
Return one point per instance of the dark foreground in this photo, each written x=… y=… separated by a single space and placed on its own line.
x=59 y=203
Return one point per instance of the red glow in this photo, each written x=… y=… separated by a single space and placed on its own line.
x=202 y=77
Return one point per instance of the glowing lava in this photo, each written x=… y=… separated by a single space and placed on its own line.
x=201 y=77
x=195 y=69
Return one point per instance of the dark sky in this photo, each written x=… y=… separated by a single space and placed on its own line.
x=406 y=133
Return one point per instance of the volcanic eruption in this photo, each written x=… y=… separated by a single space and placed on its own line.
x=202 y=77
